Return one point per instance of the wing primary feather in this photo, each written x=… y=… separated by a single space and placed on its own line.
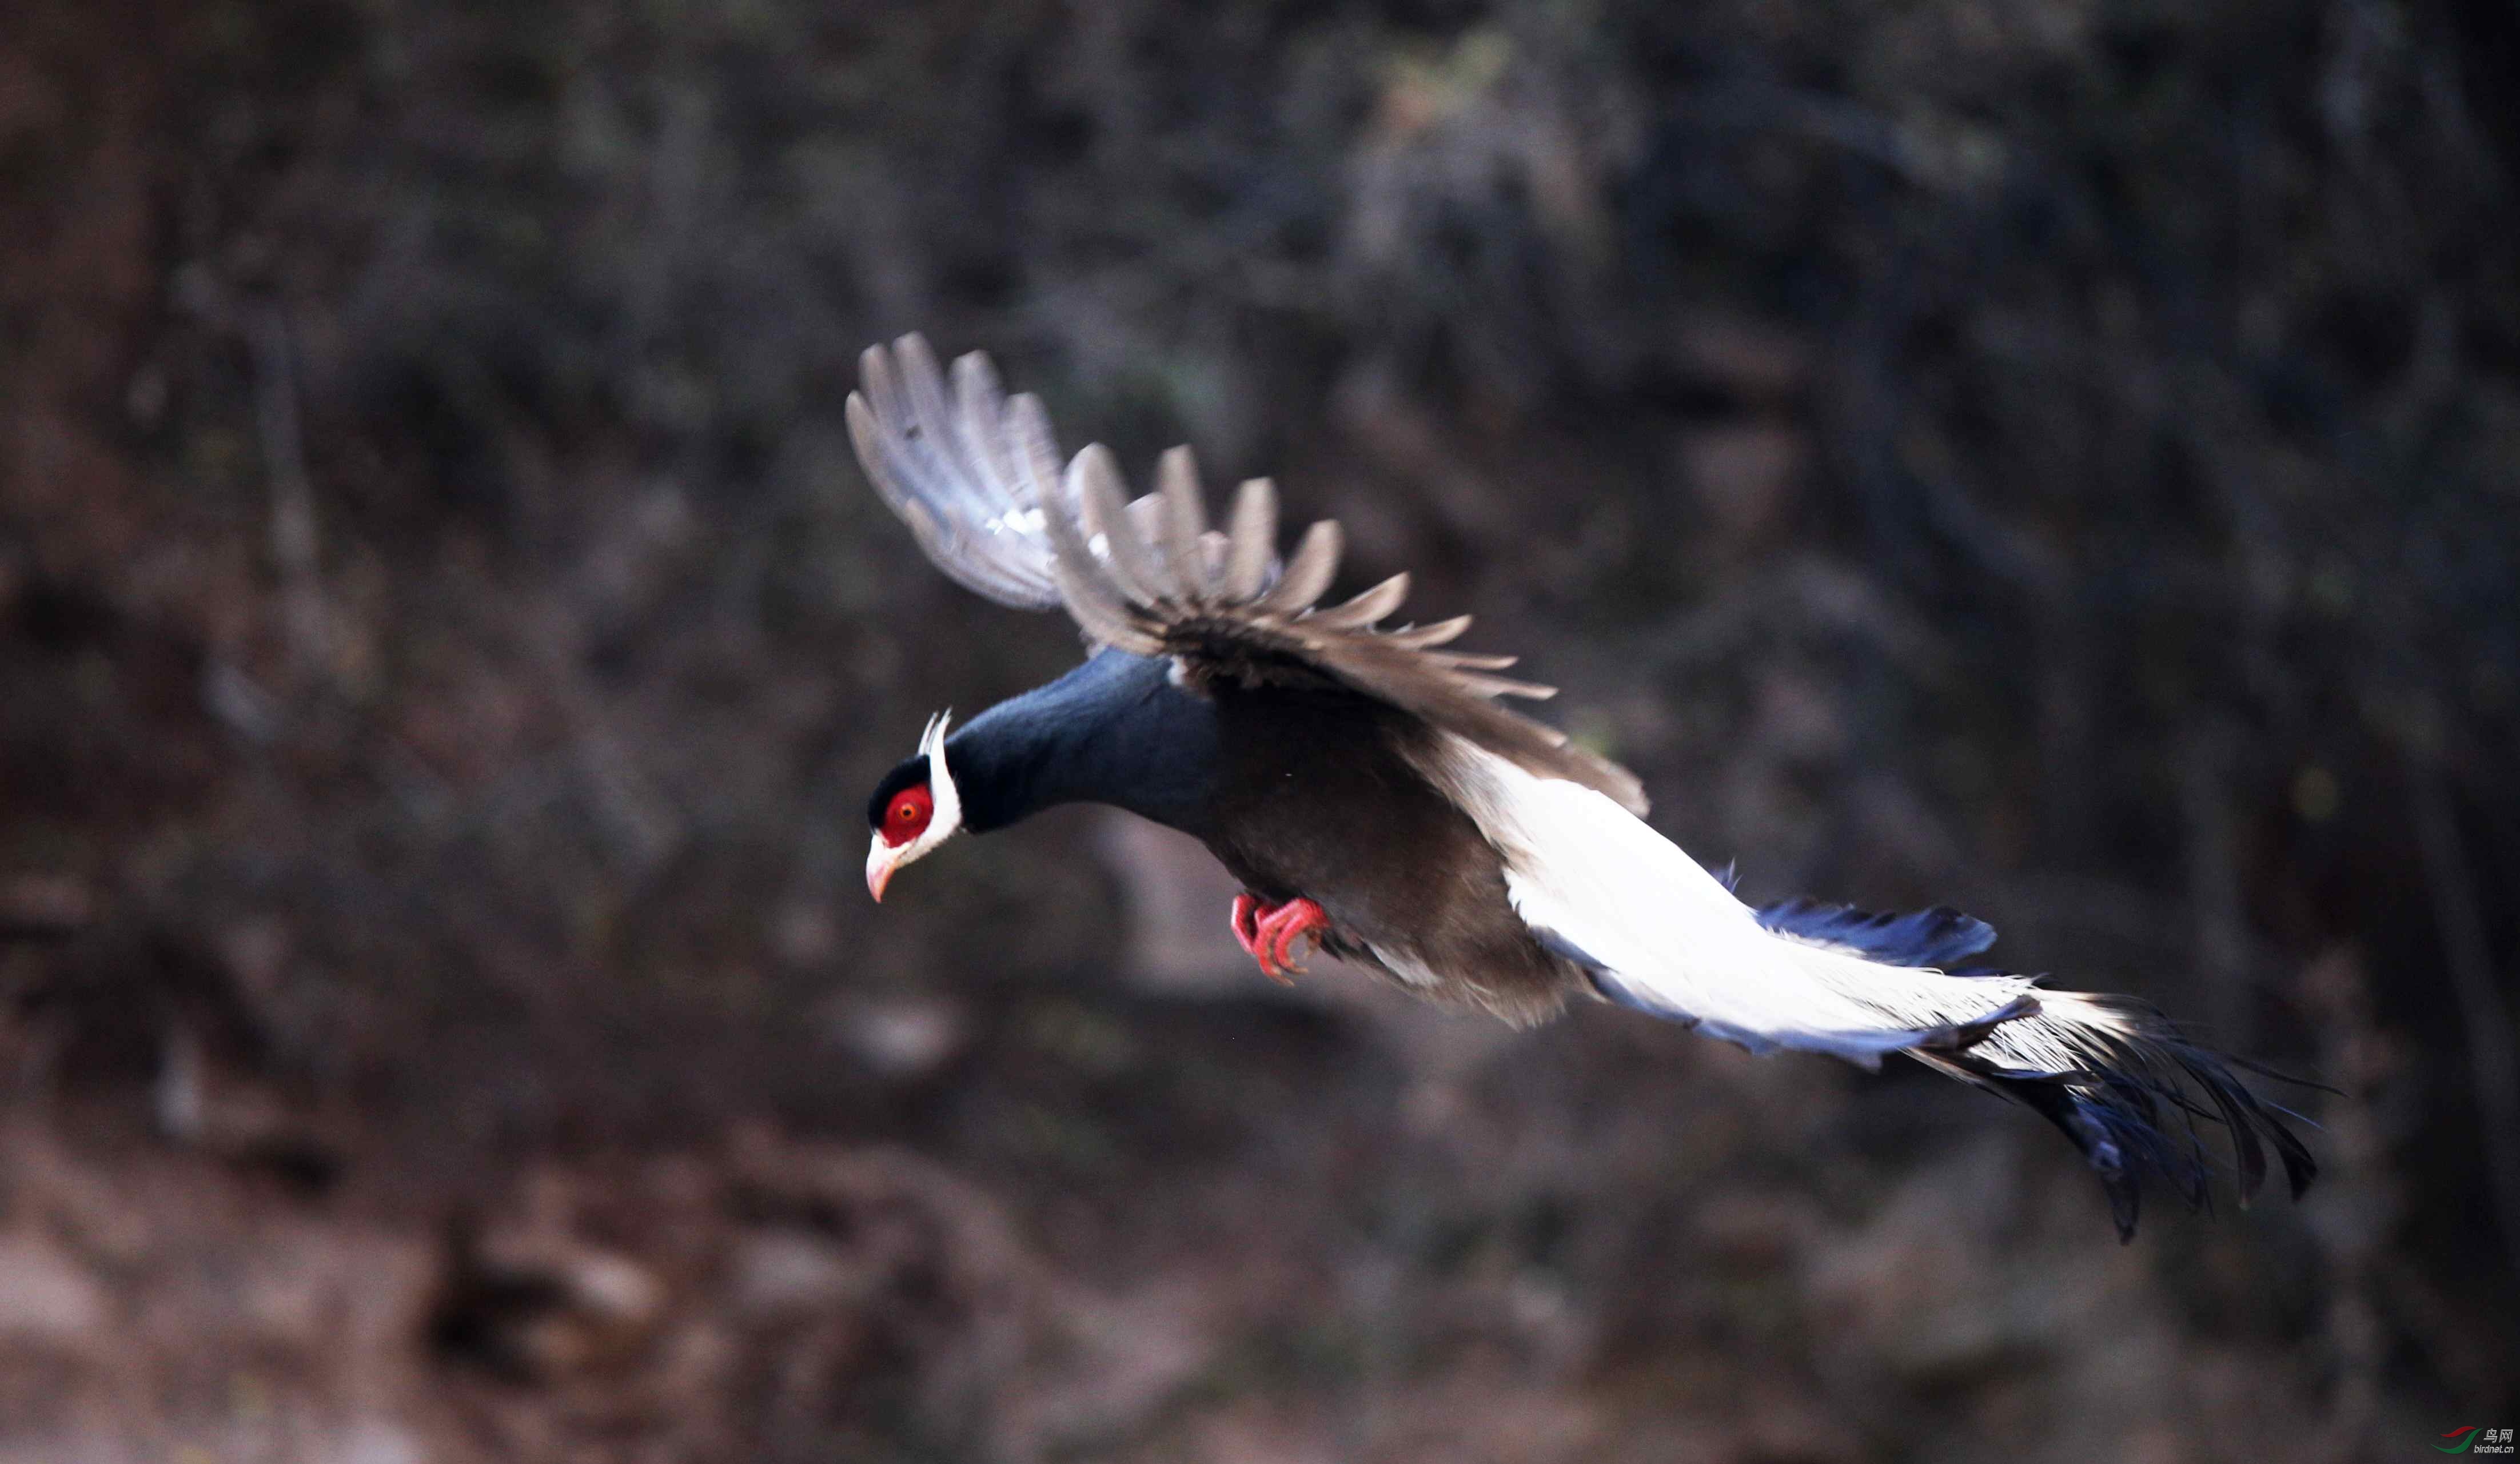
x=1251 y=540
x=876 y=428
x=1039 y=457
x=962 y=436
x=1185 y=520
x=880 y=454
x=1501 y=686
x=1212 y=548
x=875 y=451
x=1146 y=513
x=1105 y=619
x=1082 y=584
x=875 y=383
x=875 y=378
x=1093 y=482
x=981 y=409
x=1463 y=660
x=923 y=386
x=941 y=467
x=1419 y=637
x=1307 y=575
x=1036 y=460
x=1365 y=609
x=986 y=499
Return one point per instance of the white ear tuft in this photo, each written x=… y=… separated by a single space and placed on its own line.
x=947 y=800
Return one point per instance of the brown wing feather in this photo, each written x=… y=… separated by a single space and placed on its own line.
x=1153 y=579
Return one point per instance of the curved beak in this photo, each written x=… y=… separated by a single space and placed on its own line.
x=881 y=859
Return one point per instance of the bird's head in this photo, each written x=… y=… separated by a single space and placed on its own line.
x=914 y=810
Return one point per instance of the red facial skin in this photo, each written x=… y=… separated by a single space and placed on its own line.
x=905 y=817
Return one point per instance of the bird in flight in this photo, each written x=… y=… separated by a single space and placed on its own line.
x=1376 y=800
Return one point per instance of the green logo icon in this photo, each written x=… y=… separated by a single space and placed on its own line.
x=2465 y=1436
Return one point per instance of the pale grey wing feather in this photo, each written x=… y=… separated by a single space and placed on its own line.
x=1419 y=637
x=1184 y=524
x=1308 y=575
x=1249 y=542
x=954 y=465
x=949 y=468
x=1133 y=571
x=1365 y=609
x=1102 y=609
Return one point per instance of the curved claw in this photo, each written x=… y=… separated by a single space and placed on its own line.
x=1246 y=925
x=1252 y=931
x=1282 y=927
x=1269 y=932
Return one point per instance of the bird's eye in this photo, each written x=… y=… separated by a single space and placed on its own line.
x=907 y=815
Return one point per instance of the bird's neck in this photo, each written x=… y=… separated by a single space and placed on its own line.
x=1113 y=730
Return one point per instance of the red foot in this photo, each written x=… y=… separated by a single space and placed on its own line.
x=1270 y=932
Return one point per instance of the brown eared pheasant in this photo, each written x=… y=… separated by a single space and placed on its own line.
x=1373 y=798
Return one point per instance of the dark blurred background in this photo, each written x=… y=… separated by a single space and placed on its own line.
x=2055 y=457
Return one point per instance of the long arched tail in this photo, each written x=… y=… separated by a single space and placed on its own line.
x=2113 y=1073
x=1655 y=931
x=2132 y=1105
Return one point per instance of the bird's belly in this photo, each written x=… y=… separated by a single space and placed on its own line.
x=1411 y=886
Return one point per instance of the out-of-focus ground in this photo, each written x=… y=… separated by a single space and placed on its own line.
x=2056 y=458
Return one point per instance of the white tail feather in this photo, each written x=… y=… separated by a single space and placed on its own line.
x=1662 y=933
x=1656 y=931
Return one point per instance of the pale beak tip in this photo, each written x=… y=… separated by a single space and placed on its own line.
x=876 y=879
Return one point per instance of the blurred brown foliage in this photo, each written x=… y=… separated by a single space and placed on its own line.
x=2054 y=457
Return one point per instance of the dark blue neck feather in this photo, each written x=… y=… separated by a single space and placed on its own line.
x=1113 y=730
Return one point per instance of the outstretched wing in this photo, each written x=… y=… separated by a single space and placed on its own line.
x=978 y=478
x=941 y=463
